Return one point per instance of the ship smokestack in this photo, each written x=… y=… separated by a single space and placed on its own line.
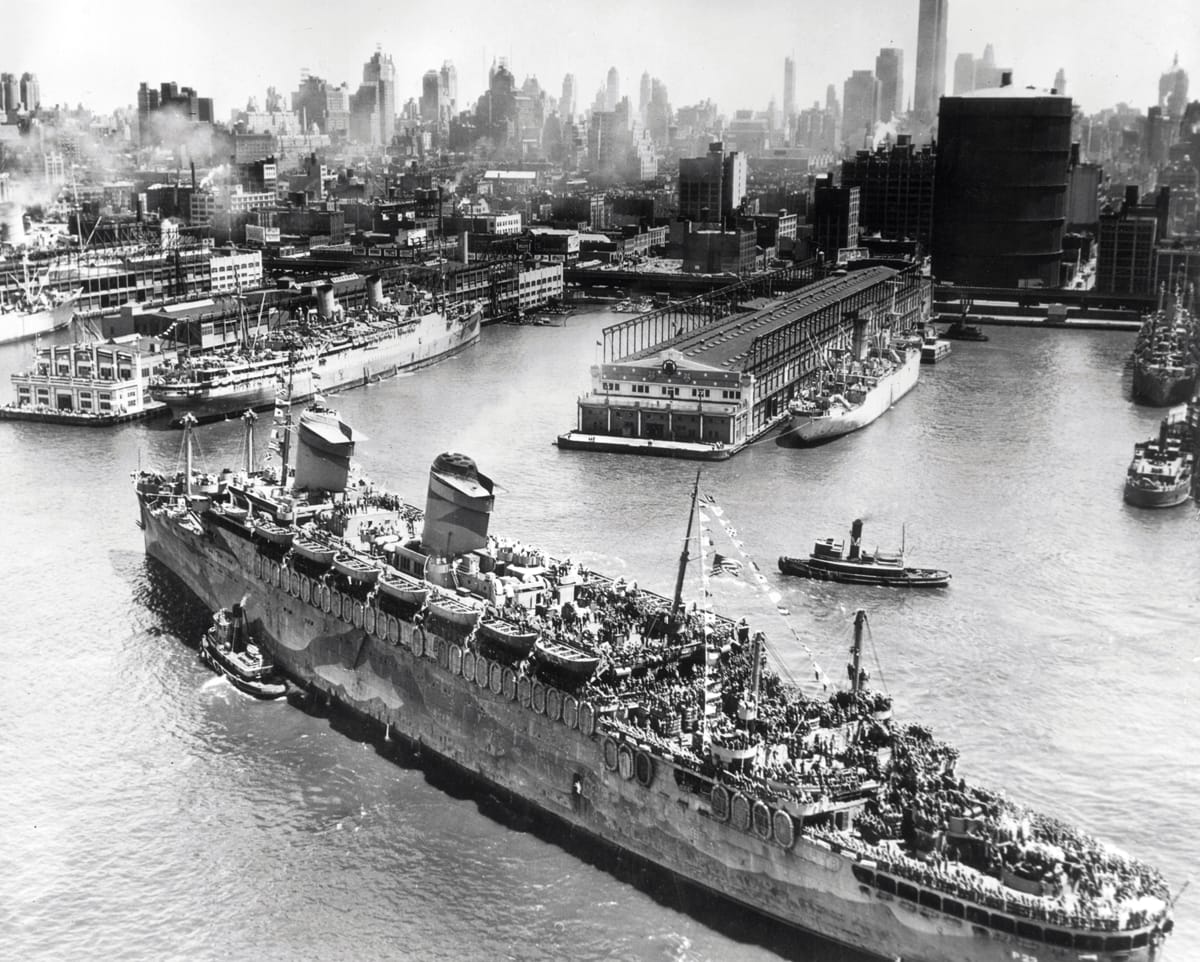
x=325 y=301
x=324 y=449
x=374 y=290
x=458 y=506
x=855 y=538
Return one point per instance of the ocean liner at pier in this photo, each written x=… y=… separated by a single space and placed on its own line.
x=1166 y=358
x=852 y=394
x=377 y=342
x=658 y=732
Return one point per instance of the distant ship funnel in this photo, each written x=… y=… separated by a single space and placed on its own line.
x=458 y=507
x=326 y=444
x=855 y=539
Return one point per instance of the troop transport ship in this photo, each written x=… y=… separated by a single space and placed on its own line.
x=641 y=725
x=378 y=342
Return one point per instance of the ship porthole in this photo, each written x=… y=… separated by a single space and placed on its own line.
x=610 y=753
x=739 y=812
x=524 y=691
x=570 y=711
x=625 y=761
x=456 y=658
x=468 y=665
x=762 y=820
x=510 y=683
x=720 y=803
x=785 y=828
x=539 y=698
x=643 y=767
x=496 y=678
x=553 y=704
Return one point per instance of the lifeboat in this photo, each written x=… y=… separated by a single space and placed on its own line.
x=451 y=609
x=316 y=551
x=403 y=588
x=507 y=636
x=356 y=568
x=580 y=665
x=275 y=533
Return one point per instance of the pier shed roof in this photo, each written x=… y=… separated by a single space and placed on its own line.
x=726 y=344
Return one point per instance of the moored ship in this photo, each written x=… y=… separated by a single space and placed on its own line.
x=377 y=342
x=830 y=561
x=1166 y=357
x=680 y=744
x=26 y=318
x=852 y=394
x=1161 y=472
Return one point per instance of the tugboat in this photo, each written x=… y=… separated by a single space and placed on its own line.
x=1160 y=474
x=830 y=562
x=228 y=647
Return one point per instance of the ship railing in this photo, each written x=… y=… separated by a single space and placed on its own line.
x=969 y=890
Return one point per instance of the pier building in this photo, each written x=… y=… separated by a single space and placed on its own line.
x=709 y=389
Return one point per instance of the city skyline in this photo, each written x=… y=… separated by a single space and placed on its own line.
x=65 y=48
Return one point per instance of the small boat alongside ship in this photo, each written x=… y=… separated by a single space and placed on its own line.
x=229 y=649
x=1161 y=473
x=830 y=561
x=852 y=394
x=1166 y=357
x=934 y=347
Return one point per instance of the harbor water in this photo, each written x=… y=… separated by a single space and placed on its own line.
x=151 y=811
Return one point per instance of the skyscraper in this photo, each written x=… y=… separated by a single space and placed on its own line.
x=889 y=70
x=566 y=105
x=431 y=97
x=1060 y=82
x=964 y=74
x=31 y=95
x=931 y=58
x=860 y=109
x=449 y=81
x=612 y=89
x=380 y=72
x=1172 y=91
x=789 y=92
x=644 y=95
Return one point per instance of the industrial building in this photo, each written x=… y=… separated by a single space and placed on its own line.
x=709 y=390
x=895 y=190
x=1001 y=172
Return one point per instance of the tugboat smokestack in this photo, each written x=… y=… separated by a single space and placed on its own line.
x=855 y=538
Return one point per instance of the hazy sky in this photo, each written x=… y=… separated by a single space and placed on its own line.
x=732 y=52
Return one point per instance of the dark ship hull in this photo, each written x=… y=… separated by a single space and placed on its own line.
x=559 y=756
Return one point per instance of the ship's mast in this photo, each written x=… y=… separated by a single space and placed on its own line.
x=855 y=666
x=683 y=555
x=248 y=419
x=188 y=421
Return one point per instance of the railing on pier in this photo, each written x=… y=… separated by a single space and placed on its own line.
x=651 y=331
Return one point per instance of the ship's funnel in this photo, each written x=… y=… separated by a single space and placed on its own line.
x=374 y=290
x=12 y=223
x=325 y=301
x=326 y=444
x=458 y=507
x=855 y=538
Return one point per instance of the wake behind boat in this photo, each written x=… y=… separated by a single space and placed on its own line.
x=829 y=561
x=852 y=395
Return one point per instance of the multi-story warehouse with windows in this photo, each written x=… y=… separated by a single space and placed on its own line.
x=895 y=190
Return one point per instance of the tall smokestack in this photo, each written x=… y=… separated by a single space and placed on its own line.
x=855 y=539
